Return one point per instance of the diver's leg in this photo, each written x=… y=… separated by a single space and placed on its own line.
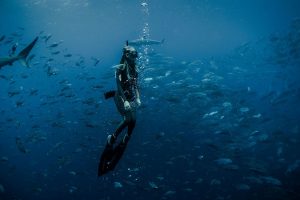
x=131 y=124
x=109 y=158
x=120 y=106
x=119 y=150
x=112 y=138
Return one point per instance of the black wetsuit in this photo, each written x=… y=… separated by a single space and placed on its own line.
x=126 y=78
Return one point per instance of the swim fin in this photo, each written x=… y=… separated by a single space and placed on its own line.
x=110 y=158
x=105 y=159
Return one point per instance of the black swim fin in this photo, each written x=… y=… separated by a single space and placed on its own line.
x=105 y=159
x=109 y=94
x=117 y=155
x=110 y=158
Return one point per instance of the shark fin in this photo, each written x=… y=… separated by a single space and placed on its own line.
x=25 y=52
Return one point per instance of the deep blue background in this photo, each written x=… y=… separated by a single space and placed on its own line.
x=218 y=59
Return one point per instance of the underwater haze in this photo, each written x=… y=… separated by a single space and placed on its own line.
x=220 y=115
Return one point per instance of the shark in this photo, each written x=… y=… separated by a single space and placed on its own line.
x=20 y=57
x=144 y=41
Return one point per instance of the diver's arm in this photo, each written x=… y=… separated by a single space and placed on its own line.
x=120 y=90
x=137 y=92
x=138 y=100
x=119 y=87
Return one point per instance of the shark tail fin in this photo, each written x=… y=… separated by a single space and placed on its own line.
x=25 y=52
x=162 y=41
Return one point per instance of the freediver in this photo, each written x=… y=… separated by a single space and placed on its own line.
x=127 y=100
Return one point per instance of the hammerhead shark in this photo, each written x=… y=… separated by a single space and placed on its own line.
x=21 y=56
x=144 y=41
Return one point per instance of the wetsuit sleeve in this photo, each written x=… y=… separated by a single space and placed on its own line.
x=118 y=81
x=136 y=86
x=136 y=81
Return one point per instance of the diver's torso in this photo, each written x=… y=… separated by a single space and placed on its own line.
x=128 y=82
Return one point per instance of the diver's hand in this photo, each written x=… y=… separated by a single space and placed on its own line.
x=138 y=102
x=126 y=105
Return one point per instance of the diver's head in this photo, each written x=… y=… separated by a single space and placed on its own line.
x=129 y=53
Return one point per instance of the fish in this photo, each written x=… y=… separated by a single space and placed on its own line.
x=293 y=167
x=210 y=114
x=2 y=190
x=244 y=109
x=13 y=93
x=72 y=173
x=47 y=37
x=242 y=187
x=68 y=55
x=118 y=185
x=55 y=44
x=153 y=185
x=72 y=189
x=160 y=135
x=96 y=61
x=9 y=41
x=19 y=103
x=223 y=161
x=144 y=41
x=20 y=145
x=52 y=71
x=4 y=159
x=215 y=182
x=2 y=38
x=170 y=193
x=271 y=180
x=16 y=34
x=55 y=52
x=20 y=57
x=97 y=86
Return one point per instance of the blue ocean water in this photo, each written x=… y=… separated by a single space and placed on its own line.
x=220 y=99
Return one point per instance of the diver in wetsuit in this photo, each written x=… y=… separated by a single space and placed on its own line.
x=127 y=99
